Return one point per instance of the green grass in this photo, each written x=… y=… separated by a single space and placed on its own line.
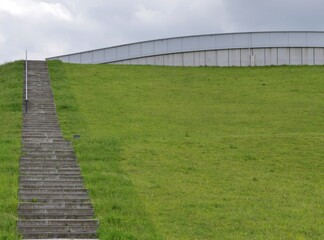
x=198 y=153
x=11 y=79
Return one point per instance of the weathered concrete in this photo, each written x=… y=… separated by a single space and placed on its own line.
x=53 y=202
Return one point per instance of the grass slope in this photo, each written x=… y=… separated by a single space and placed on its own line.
x=11 y=76
x=198 y=153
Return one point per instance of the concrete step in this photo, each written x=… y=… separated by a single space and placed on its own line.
x=59 y=223
x=55 y=205
x=41 y=124
x=53 y=194
x=70 y=186
x=56 y=200
x=60 y=233
x=39 y=128
x=36 y=140
x=40 y=135
x=48 y=161
x=32 y=133
x=52 y=158
x=48 y=157
x=51 y=184
x=48 y=152
x=56 y=213
x=54 y=197
x=45 y=141
x=49 y=172
x=51 y=177
x=48 y=168
x=47 y=147
x=40 y=119
x=79 y=190
x=52 y=191
x=48 y=165
x=56 y=232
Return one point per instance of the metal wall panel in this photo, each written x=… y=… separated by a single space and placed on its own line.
x=147 y=48
x=178 y=59
x=110 y=54
x=75 y=58
x=188 y=59
x=315 y=39
x=242 y=40
x=225 y=41
x=211 y=58
x=98 y=56
x=270 y=42
x=222 y=58
x=196 y=62
x=279 y=39
x=295 y=56
x=190 y=44
x=207 y=42
x=86 y=57
x=297 y=39
x=271 y=56
x=245 y=57
x=319 y=56
x=126 y=62
x=175 y=45
x=135 y=61
x=123 y=52
x=260 y=40
x=150 y=61
x=283 y=56
x=259 y=57
x=234 y=57
x=308 y=56
x=158 y=60
x=160 y=46
x=142 y=61
x=202 y=58
x=65 y=59
x=135 y=50
x=168 y=60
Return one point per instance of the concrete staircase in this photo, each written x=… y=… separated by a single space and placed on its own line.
x=53 y=202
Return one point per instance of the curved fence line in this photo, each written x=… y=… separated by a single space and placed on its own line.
x=248 y=43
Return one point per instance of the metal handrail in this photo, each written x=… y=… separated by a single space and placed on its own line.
x=26 y=84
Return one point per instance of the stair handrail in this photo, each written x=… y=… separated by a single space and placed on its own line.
x=26 y=84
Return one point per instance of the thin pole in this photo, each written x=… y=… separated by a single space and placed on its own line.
x=26 y=84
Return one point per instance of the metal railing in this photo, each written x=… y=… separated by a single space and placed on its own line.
x=26 y=84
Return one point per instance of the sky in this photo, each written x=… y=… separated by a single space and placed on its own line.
x=47 y=28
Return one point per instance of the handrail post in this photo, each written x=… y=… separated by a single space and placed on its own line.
x=26 y=85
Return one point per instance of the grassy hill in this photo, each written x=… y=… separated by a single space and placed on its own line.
x=11 y=80
x=198 y=153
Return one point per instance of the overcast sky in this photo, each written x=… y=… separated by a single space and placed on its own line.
x=54 y=27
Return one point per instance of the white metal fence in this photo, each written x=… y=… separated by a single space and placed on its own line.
x=232 y=49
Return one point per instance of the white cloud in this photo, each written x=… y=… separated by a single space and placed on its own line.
x=2 y=39
x=35 y=9
x=10 y=7
x=57 y=10
x=145 y=14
